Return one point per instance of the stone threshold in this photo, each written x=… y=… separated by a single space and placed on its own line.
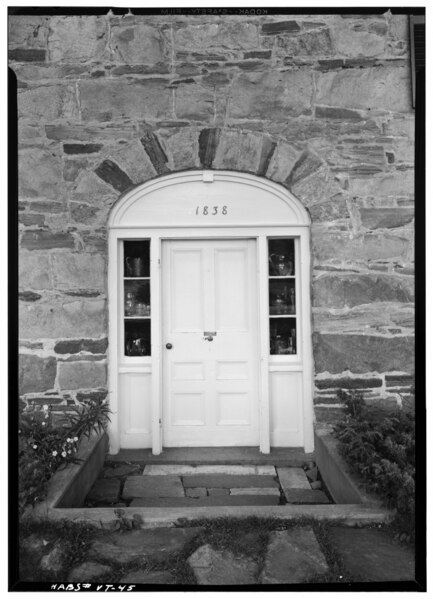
x=293 y=457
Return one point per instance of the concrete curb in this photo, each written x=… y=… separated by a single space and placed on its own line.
x=343 y=485
x=70 y=485
x=350 y=515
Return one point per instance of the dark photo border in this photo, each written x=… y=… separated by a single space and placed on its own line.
x=420 y=309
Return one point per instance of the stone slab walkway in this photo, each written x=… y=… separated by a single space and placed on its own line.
x=223 y=556
x=187 y=485
x=154 y=545
x=216 y=567
x=293 y=556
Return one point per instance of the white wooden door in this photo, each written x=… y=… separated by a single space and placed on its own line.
x=210 y=318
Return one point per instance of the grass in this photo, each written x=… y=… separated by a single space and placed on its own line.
x=73 y=539
x=248 y=537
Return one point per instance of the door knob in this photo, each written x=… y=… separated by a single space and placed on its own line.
x=168 y=345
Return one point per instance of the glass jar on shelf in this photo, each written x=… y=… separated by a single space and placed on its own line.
x=134 y=266
x=278 y=305
x=130 y=304
x=281 y=265
x=143 y=309
x=281 y=345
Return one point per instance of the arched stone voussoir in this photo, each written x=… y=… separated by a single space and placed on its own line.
x=312 y=181
x=124 y=164
x=238 y=150
x=151 y=154
x=181 y=147
x=296 y=167
x=155 y=153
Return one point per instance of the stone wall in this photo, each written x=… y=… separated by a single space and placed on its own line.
x=320 y=104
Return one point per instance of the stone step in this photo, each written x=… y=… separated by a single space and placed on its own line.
x=255 y=491
x=153 y=486
x=293 y=478
x=121 y=470
x=305 y=496
x=211 y=491
x=289 y=457
x=183 y=470
x=229 y=481
x=104 y=489
x=213 y=500
x=190 y=483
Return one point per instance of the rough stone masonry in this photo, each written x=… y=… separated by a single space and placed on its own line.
x=320 y=104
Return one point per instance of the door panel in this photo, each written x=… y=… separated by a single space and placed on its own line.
x=188 y=371
x=233 y=408
x=232 y=370
x=210 y=386
x=187 y=409
x=286 y=409
x=231 y=287
x=135 y=416
x=187 y=287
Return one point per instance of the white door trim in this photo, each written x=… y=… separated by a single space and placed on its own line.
x=156 y=337
x=262 y=271
x=121 y=228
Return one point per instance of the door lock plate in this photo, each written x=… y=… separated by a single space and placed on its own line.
x=209 y=335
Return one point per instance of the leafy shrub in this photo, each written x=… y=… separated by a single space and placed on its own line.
x=45 y=447
x=380 y=447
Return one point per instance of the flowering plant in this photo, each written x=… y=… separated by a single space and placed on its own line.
x=44 y=446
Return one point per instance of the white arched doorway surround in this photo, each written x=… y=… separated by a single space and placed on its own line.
x=207 y=208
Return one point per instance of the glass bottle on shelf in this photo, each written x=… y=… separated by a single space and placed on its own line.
x=280 y=345
x=136 y=289
x=282 y=296
x=291 y=301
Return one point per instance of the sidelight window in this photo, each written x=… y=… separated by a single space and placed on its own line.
x=282 y=296
x=136 y=290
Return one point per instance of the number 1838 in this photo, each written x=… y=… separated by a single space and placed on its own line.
x=211 y=210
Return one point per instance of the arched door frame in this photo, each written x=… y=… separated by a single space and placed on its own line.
x=165 y=208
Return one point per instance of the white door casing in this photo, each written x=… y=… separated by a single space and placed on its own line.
x=171 y=208
x=210 y=385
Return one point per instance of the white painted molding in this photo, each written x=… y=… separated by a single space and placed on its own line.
x=169 y=208
x=255 y=202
